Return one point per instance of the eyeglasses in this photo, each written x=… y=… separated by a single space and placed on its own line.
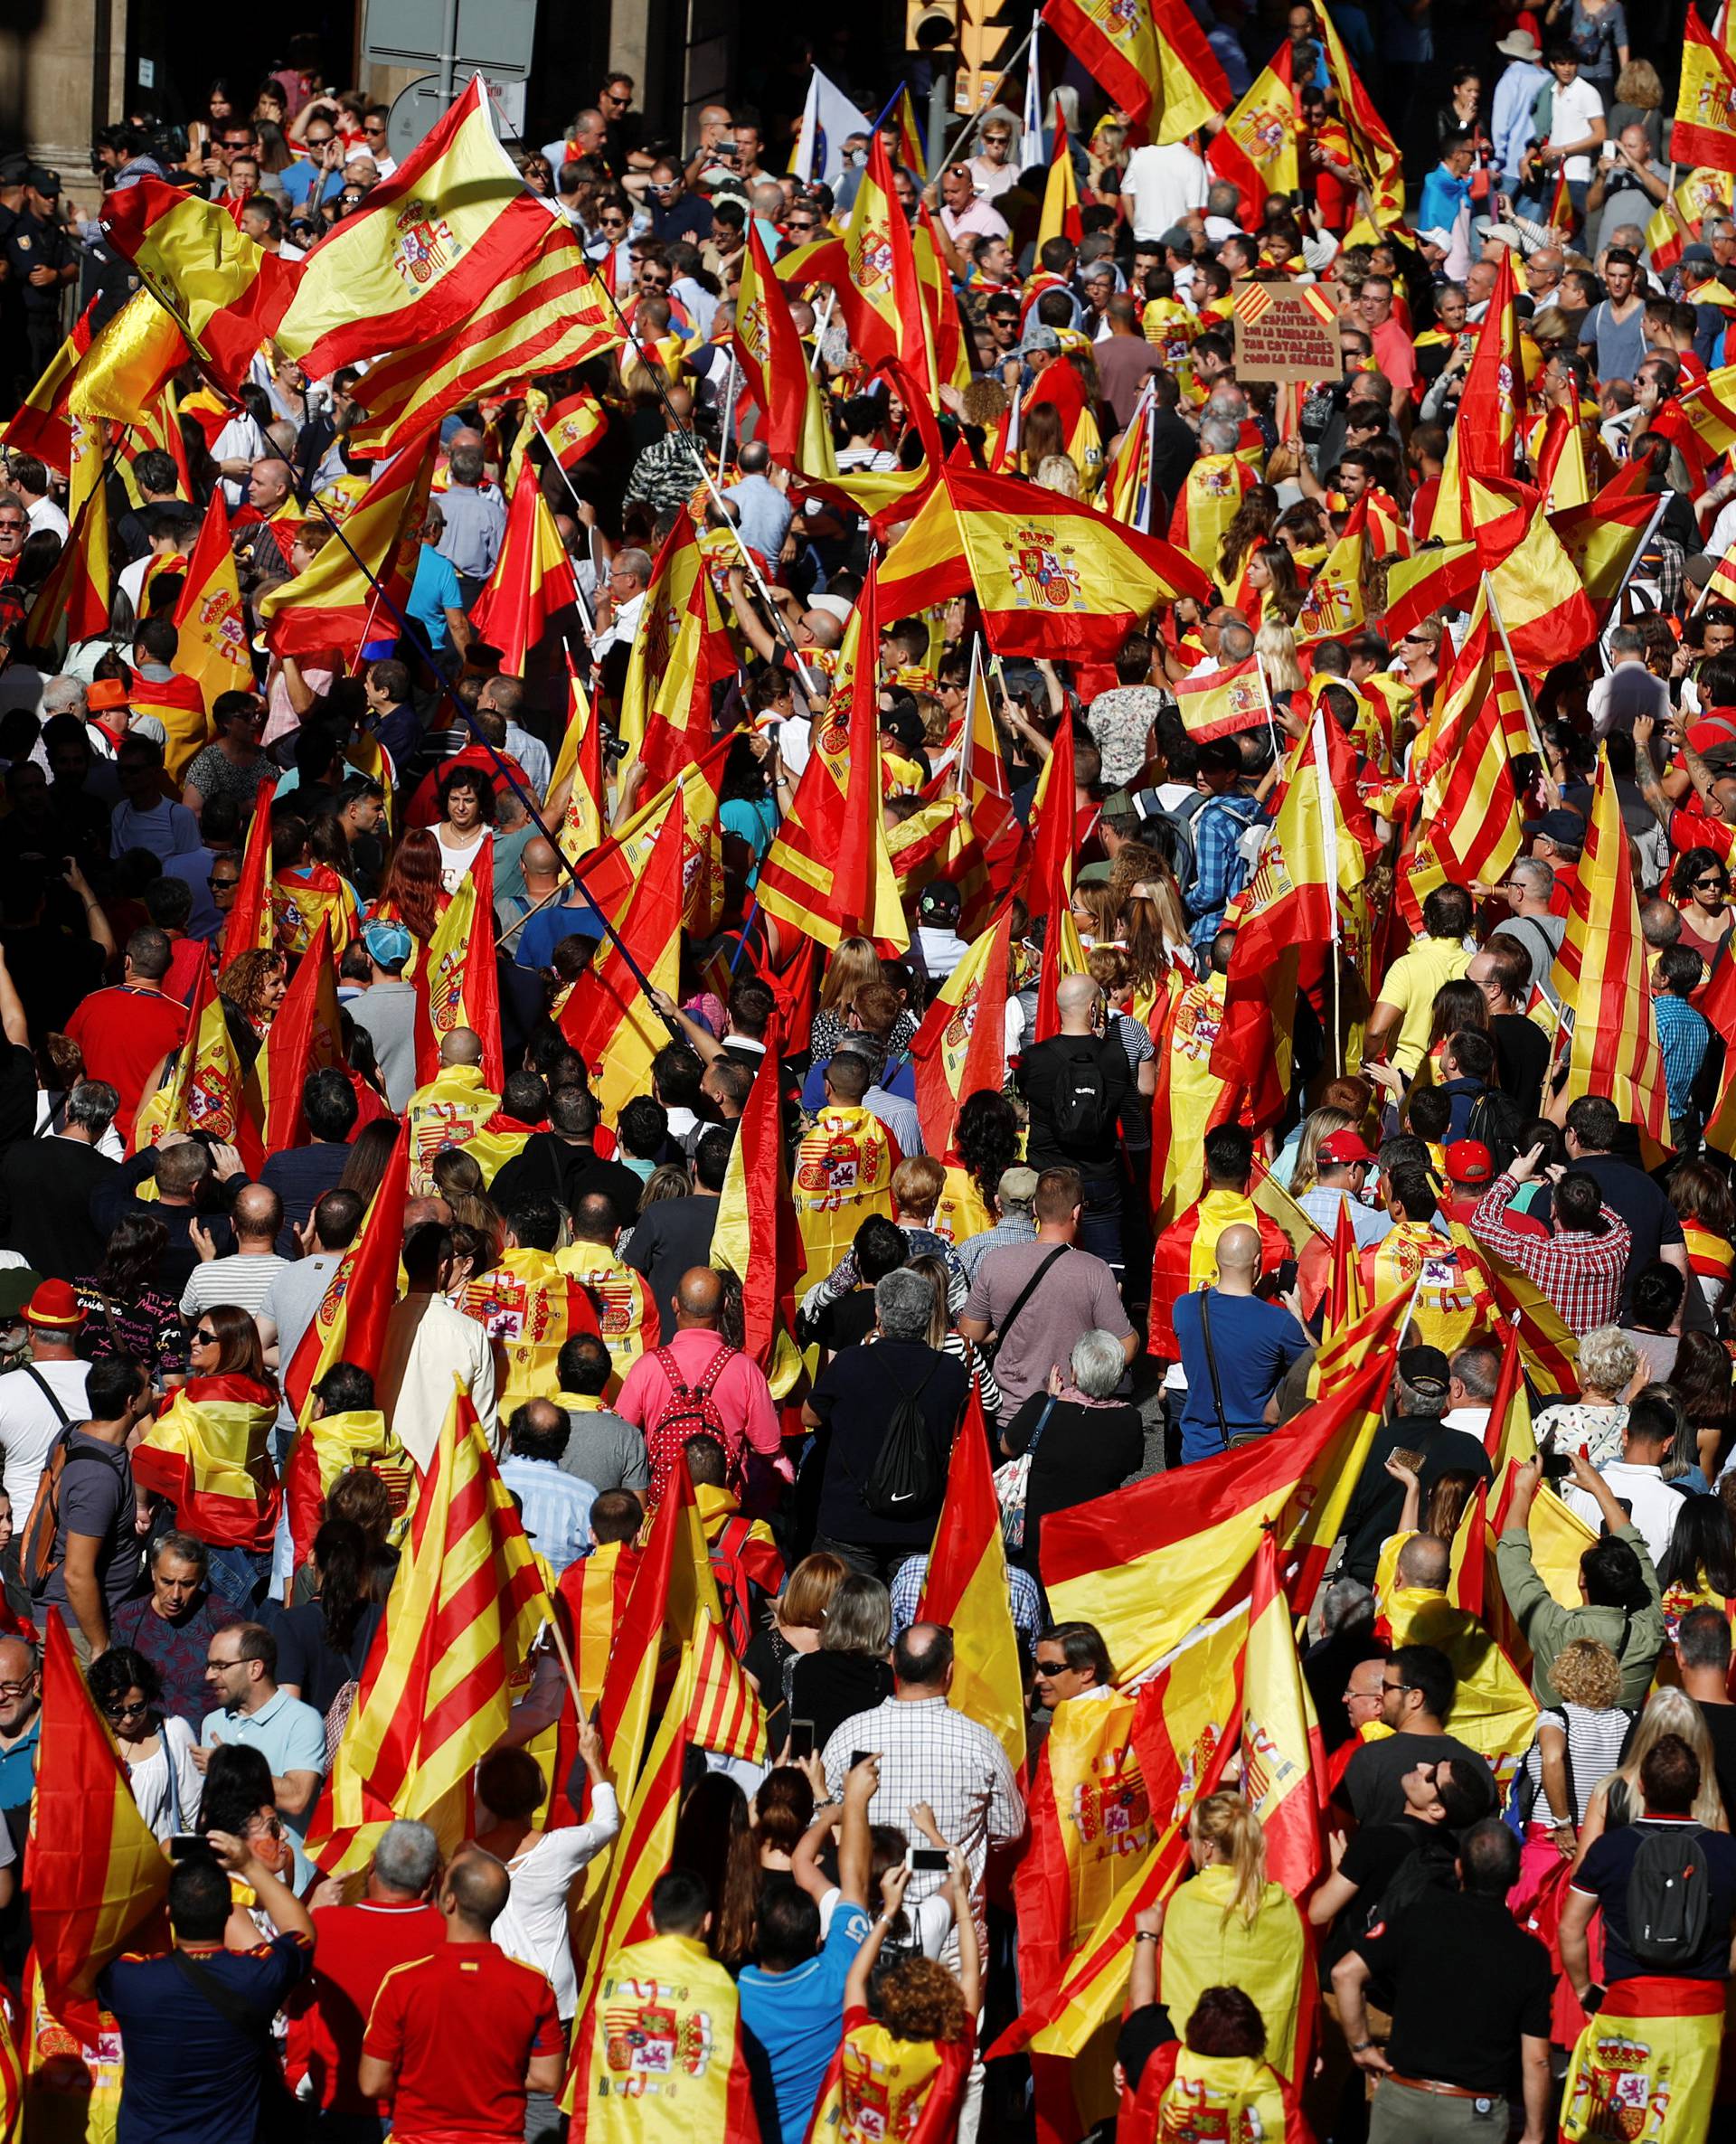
x=14 y=1689
x=615 y=98
x=318 y=141
x=127 y=1712
x=211 y=1665
x=11 y=524
x=996 y=141
x=244 y=141
x=1400 y=1688
x=1709 y=885
x=655 y=282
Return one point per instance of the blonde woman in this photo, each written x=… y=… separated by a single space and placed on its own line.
x=792 y=1629
x=1059 y=472
x=1232 y=1926
x=1319 y=1124
x=1577 y=1747
x=1618 y=1800
x=1608 y=1365
x=853 y=964
x=1275 y=645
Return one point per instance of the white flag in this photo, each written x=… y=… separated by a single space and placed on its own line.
x=828 y=119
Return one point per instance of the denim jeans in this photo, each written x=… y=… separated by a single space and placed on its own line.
x=1099 y=1218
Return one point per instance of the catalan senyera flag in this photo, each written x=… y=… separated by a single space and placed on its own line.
x=1223 y=701
x=1145 y=1568
x=466 y=1603
x=226 y=295
x=41 y=425
x=431 y=246
x=1129 y=494
x=209 y=1452
x=1054 y=577
x=531 y=582
x=306 y=1036
x=1283 y=1758
x=205 y=1091
x=756 y=1235
x=1541 y=601
x=827 y=872
x=613 y=869
x=350 y=1325
x=546 y=315
x=607 y=1017
x=773 y=362
x=1335 y=603
x=96 y=1873
x=1255 y=148
x=1471 y=819
x=1705 y=101
x=594 y=1593
x=208 y=613
x=338 y=603
x=1605 y=958
x=960 y=1048
x=1480 y=672
x=1061 y=212
x=1151 y=56
x=578 y=776
x=966 y=1586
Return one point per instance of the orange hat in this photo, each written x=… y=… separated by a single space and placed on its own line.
x=103 y=692
x=54 y=1309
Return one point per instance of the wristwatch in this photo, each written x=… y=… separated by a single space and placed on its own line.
x=1147 y=1935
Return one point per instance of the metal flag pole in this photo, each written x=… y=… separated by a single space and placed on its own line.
x=967 y=133
x=506 y=774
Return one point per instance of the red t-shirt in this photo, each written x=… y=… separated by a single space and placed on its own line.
x=122 y=1034
x=459 y=2030
x=358 y=1946
x=1690 y=828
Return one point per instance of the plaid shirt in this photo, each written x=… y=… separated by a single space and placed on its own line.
x=1683 y=1035
x=1021 y=1589
x=1220 y=869
x=1582 y=1275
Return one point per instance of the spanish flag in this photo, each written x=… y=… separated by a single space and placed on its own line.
x=756 y=1235
x=880 y=294
x=329 y=1447
x=1493 y=1711
x=952 y=355
x=1435 y=577
x=1335 y=603
x=545 y=317
x=1224 y=702
x=1208 y=502
x=338 y=602
x=774 y=366
x=530 y=1309
x=531 y=582
x=960 y=1048
x=459 y=985
x=576 y=787
x=250 y=922
x=224 y=293
x=1604 y=958
x=73 y=599
x=96 y=1873
x=1147 y=1563
x=1192 y=1097
x=612 y=871
x=466 y=1604
x=827 y=872
x=680 y=655
x=1283 y=1759
x=208 y=615
x=1152 y=58
x=42 y=425
x=350 y=1325
x=204 y=1092
x=306 y=1036
x=1061 y=216
x=1185 y=1259
x=1705 y=102
x=1129 y=494
x=1255 y=148
x=607 y=1017
x=966 y=1586
x=1603 y=538
x=1372 y=149
x=1541 y=601
x=208 y=1453
x=1653 y=2048
x=880 y=2085
x=1054 y=577
x=1209 y=2095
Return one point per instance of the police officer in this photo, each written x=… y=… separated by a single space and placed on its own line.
x=12 y=336
x=39 y=262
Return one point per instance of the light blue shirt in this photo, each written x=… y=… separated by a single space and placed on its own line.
x=764 y=515
x=291 y=1737
x=1444 y=193
x=555 y=1507
x=1321 y=1207
x=1510 y=132
x=475 y=521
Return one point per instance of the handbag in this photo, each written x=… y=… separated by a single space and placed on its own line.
x=1012 y=1481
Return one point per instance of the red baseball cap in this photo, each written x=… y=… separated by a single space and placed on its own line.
x=54 y=1307
x=1469 y=1161
x=1343 y=1148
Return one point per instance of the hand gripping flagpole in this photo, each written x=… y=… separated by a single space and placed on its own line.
x=511 y=780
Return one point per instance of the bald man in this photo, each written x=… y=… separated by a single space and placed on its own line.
x=244 y=1277
x=1235 y=1349
x=551 y=908
x=1076 y=1085
x=268 y=492
x=471 y=1993
x=451 y=1109
x=746 y=1422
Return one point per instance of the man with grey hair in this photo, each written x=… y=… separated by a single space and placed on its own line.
x=1527 y=887
x=474 y=516
x=356 y=1947
x=1015 y=1218
x=1628 y=689
x=1235 y=644
x=621 y=603
x=1218 y=436
x=46 y=1184
x=888 y=1411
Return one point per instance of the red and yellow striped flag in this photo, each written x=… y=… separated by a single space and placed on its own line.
x=350 y=1325
x=1060 y=213
x=1705 y=100
x=1224 y=702
x=774 y=366
x=335 y=1445
x=42 y=423
x=1541 y=601
x=72 y=603
x=592 y=1595
x=96 y=1873
x=1373 y=151
x=1151 y=56
x=1470 y=803
x=1335 y=602
x=1149 y=1562
x=250 y=925
x=341 y=600
x=965 y=1587
x=681 y=651
x=607 y=1017
x=827 y=872
x=210 y=1453
x=208 y=613
x=458 y=984
x=531 y=582
x=725 y=1716
x=960 y=1048
x=756 y=1235
x=466 y=1603
x=1607 y=967
x=547 y=316
x=576 y=784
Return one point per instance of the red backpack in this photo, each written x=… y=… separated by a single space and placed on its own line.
x=691 y=1410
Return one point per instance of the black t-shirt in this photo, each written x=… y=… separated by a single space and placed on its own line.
x=1521 y=1058
x=1720 y=1725
x=1468 y=1983
x=1603 y=1875
x=672 y=1236
x=847 y=1322
x=1371 y=1780
x=1377 y=1499
x=1040 y=1073
x=1083 y=1452
x=1372 y=1859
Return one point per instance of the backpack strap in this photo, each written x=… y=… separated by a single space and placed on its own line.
x=714 y=1369
x=667 y=1362
x=48 y=1393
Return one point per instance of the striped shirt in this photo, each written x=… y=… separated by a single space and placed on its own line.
x=243 y=1279
x=1594 y=1745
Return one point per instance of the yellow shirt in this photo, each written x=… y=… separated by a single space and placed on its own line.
x=1409 y=987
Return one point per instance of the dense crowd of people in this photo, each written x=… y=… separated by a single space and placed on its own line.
x=812 y=1069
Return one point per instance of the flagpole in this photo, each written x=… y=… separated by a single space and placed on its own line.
x=1265 y=695
x=585 y=610
x=655 y=369
x=954 y=149
x=511 y=780
x=729 y=410
x=1524 y=697
x=1329 y=849
x=824 y=322
x=1663 y=499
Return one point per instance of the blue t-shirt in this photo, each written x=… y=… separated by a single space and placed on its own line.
x=1253 y=1344
x=792 y=2022
x=549 y=926
x=434 y=591
x=191 y=2074
x=296 y=183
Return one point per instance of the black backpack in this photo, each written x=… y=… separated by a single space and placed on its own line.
x=1667 y=1894
x=1171 y=833
x=908 y=1475
x=1081 y=1111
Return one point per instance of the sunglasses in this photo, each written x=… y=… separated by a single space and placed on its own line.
x=319 y=141
x=205 y=1337
x=13 y=525
x=373 y=126
x=613 y=222
x=127 y=1712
